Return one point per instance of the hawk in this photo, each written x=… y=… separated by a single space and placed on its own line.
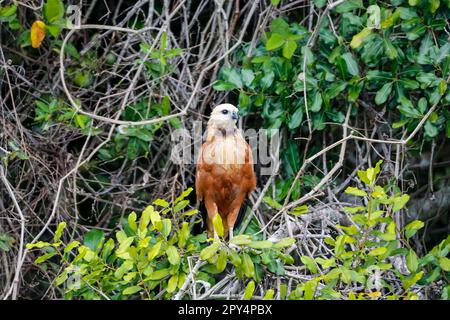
x=225 y=176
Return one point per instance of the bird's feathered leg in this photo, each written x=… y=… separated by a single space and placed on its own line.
x=233 y=214
x=211 y=208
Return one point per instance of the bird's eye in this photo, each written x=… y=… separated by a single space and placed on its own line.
x=224 y=111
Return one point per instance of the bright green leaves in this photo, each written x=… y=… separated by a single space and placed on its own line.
x=154 y=251
x=241 y=239
x=209 y=251
x=218 y=225
x=275 y=42
x=289 y=48
x=230 y=80
x=249 y=291
x=350 y=62
x=369 y=176
x=282 y=36
x=444 y=263
x=399 y=202
x=173 y=255
x=358 y=39
x=378 y=251
x=412 y=261
x=93 y=239
x=53 y=10
x=412 y=227
x=383 y=94
x=433 y=5
x=59 y=231
x=355 y=192
x=248 y=267
x=309 y=263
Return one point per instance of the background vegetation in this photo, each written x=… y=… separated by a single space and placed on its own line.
x=358 y=208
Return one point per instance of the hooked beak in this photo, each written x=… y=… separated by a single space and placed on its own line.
x=235 y=116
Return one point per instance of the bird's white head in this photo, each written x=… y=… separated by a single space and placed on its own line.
x=224 y=116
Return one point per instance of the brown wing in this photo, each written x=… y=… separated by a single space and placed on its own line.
x=203 y=175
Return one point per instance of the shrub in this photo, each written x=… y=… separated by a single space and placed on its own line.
x=151 y=257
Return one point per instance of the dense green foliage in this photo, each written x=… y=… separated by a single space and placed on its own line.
x=384 y=64
x=391 y=58
x=152 y=257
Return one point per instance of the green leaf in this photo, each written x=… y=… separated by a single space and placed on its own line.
x=309 y=263
x=218 y=225
x=267 y=80
x=7 y=11
x=336 y=88
x=390 y=234
x=230 y=75
x=412 y=227
x=172 y=255
x=411 y=280
x=378 y=251
x=359 y=38
x=295 y=119
x=275 y=41
x=355 y=191
x=161 y=202
x=326 y=263
x=209 y=251
x=241 y=239
x=350 y=62
x=310 y=288
x=249 y=291
x=158 y=275
x=289 y=48
x=275 y=2
x=433 y=5
x=154 y=251
x=172 y=283
x=235 y=259
x=221 y=85
x=247 y=265
x=221 y=261
x=412 y=261
x=442 y=87
x=166 y=227
x=93 y=239
x=132 y=221
x=272 y=203
x=180 y=205
x=44 y=257
x=285 y=242
x=39 y=245
x=264 y=244
x=269 y=295
x=315 y=107
x=408 y=109
x=383 y=93
x=123 y=250
x=59 y=231
x=399 y=202
x=131 y=290
x=299 y=210
x=247 y=76
x=443 y=52
x=53 y=10
x=444 y=263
